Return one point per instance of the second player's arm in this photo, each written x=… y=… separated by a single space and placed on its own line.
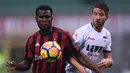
x=78 y=66
x=106 y=62
x=83 y=59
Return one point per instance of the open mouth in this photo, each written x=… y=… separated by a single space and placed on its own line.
x=98 y=25
x=43 y=22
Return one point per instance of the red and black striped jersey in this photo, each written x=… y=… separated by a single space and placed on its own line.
x=34 y=43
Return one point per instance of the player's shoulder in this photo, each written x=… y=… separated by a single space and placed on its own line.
x=84 y=28
x=59 y=30
x=34 y=34
x=106 y=31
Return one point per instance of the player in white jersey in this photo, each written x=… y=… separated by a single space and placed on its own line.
x=94 y=40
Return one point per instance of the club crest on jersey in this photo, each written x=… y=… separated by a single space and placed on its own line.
x=38 y=57
x=104 y=37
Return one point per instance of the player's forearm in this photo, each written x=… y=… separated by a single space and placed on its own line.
x=74 y=63
x=88 y=63
x=108 y=58
x=22 y=67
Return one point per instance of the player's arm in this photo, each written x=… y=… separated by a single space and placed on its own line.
x=84 y=60
x=26 y=63
x=78 y=66
x=22 y=66
x=106 y=62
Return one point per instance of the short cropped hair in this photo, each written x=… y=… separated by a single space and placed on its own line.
x=103 y=7
x=43 y=7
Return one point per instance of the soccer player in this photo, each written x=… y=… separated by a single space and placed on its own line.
x=94 y=40
x=47 y=32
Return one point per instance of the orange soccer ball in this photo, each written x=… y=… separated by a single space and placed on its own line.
x=50 y=51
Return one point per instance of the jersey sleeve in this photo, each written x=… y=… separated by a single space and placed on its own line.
x=108 y=46
x=71 y=47
x=28 y=49
x=78 y=38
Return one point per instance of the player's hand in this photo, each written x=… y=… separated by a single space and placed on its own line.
x=103 y=64
x=11 y=65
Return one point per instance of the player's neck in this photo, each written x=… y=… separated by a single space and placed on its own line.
x=45 y=32
x=96 y=29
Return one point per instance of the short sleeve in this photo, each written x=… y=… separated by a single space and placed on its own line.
x=71 y=47
x=29 y=49
x=78 y=38
x=108 y=46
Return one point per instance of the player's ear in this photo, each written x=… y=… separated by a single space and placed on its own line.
x=52 y=18
x=36 y=18
x=107 y=16
x=91 y=13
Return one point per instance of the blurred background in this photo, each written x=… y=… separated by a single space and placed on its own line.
x=17 y=23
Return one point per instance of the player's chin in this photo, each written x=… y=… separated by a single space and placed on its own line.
x=97 y=26
x=45 y=28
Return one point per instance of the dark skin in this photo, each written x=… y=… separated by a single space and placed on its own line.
x=44 y=22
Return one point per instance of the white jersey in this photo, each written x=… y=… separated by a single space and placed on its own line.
x=91 y=43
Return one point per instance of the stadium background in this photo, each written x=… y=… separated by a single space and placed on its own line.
x=17 y=23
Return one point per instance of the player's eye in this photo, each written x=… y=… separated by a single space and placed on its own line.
x=101 y=14
x=95 y=13
x=46 y=16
